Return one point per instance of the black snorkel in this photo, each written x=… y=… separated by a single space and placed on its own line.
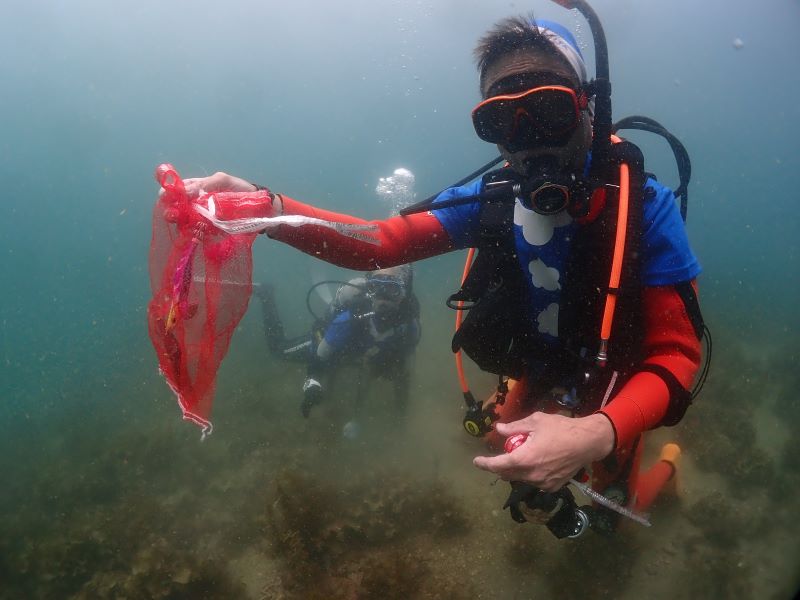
x=599 y=88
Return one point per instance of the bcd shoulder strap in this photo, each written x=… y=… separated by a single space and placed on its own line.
x=495 y=334
x=587 y=276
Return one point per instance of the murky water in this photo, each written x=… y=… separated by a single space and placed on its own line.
x=108 y=494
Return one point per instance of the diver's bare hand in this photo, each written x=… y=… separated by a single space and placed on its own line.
x=557 y=447
x=218 y=182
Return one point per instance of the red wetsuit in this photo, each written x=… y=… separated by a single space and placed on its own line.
x=671 y=343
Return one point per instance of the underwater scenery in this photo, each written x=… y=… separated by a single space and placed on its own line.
x=362 y=108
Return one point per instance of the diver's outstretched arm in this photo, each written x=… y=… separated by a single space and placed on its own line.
x=273 y=327
x=395 y=241
x=295 y=349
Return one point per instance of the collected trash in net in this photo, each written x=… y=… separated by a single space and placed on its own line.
x=201 y=270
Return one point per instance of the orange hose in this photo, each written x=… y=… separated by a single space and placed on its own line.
x=619 y=250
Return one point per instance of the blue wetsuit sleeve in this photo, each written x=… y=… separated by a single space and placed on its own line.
x=667 y=256
x=340 y=331
x=462 y=223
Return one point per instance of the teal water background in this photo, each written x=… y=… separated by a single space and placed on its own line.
x=318 y=101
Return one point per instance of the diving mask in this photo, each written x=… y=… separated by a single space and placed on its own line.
x=544 y=115
x=386 y=288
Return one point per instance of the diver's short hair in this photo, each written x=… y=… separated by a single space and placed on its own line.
x=511 y=34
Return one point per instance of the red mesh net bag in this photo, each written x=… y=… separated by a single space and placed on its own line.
x=201 y=279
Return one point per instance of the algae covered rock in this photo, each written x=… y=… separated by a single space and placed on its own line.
x=370 y=536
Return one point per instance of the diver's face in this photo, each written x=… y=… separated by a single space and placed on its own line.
x=522 y=70
x=386 y=290
x=384 y=307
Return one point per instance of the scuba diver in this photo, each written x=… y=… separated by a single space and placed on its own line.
x=372 y=322
x=583 y=296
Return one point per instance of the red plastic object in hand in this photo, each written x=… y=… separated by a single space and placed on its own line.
x=515 y=441
x=201 y=280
